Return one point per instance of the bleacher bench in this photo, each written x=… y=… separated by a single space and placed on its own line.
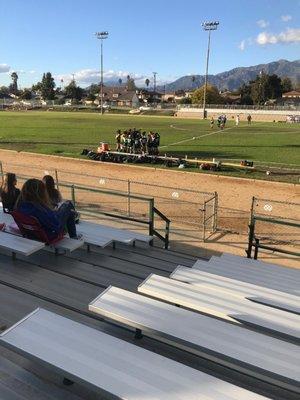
x=19 y=245
x=233 y=287
x=252 y=273
x=219 y=304
x=254 y=354
x=115 y=234
x=110 y=366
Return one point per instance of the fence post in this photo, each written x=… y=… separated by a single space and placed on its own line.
x=1 y=171
x=73 y=195
x=216 y=205
x=128 y=198
x=256 y=248
x=151 y=219
x=250 y=238
x=56 y=179
x=204 y=221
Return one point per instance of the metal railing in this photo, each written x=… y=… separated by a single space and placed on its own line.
x=88 y=202
x=273 y=227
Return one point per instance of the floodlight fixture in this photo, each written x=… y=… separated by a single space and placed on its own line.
x=210 y=26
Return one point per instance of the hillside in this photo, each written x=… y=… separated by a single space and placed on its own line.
x=234 y=78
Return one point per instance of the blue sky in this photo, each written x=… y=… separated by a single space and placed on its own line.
x=144 y=36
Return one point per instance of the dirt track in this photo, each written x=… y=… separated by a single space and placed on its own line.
x=235 y=194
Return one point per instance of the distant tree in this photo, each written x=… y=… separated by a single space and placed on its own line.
x=120 y=81
x=73 y=91
x=25 y=94
x=265 y=87
x=94 y=89
x=4 y=92
x=147 y=82
x=14 y=85
x=286 y=85
x=245 y=92
x=47 y=87
x=212 y=95
x=130 y=83
x=185 y=100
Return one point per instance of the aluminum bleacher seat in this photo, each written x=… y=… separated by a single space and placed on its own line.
x=117 y=235
x=219 y=304
x=19 y=245
x=279 y=278
x=110 y=366
x=252 y=353
x=234 y=287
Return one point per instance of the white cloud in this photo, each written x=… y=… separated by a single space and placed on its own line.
x=242 y=45
x=89 y=76
x=262 y=23
x=4 y=68
x=288 y=36
x=286 y=18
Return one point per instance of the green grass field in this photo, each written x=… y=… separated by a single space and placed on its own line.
x=67 y=133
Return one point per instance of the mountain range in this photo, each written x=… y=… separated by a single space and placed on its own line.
x=234 y=78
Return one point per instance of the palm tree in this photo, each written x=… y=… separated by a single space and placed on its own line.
x=14 y=77
x=147 y=82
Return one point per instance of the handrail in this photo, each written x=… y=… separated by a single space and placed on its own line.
x=165 y=238
x=258 y=246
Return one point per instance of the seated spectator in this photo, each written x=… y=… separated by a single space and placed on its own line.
x=54 y=195
x=34 y=202
x=8 y=192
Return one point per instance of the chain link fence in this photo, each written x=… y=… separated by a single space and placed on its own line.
x=186 y=208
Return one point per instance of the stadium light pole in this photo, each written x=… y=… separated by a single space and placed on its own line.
x=154 y=86
x=101 y=36
x=207 y=26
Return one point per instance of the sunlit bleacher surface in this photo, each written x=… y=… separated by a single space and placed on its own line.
x=114 y=317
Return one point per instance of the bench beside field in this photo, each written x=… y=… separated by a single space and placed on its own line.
x=111 y=366
x=254 y=354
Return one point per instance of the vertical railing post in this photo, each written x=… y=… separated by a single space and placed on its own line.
x=1 y=172
x=216 y=205
x=128 y=198
x=151 y=219
x=56 y=179
x=204 y=220
x=250 y=238
x=167 y=234
x=256 y=248
x=73 y=195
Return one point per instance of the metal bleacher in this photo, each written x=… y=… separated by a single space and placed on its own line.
x=71 y=323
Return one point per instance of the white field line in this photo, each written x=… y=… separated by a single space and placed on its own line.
x=196 y=137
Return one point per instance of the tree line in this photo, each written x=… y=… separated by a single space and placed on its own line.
x=258 y=91
x=49 y=91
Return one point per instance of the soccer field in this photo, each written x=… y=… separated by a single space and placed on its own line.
x=67 y=133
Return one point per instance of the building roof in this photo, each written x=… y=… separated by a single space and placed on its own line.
x=292 y=93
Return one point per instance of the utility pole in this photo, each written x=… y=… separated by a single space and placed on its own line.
x=101 y=36
x=207 y=26
x=154 y=86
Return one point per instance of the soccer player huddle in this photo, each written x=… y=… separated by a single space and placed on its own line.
x=134 y=141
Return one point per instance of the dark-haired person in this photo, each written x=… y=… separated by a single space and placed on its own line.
x=9 y=193
x=54 y=194
x=34 y=202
